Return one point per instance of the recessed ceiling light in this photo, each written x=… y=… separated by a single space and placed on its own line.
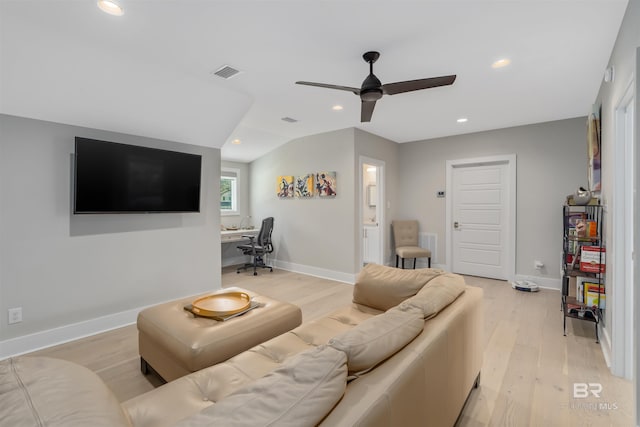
x=337 y=107
x=236 y=142
x=501 y=63
x=111 y=7
x=462 y=120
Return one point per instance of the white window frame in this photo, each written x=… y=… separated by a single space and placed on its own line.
x=234 y=175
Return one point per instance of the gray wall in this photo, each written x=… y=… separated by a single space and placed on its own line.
x=369 y=145
x=316 y=232
x=551 y=163
x=63 y=268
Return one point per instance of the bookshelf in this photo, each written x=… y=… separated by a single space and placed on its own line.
x=583 y=265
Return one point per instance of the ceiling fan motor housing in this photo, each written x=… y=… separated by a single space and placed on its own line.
x=371 y=89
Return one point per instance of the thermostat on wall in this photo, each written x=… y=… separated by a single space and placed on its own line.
x=440 y=194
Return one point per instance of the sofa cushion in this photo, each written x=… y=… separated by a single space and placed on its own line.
x=435 y=295
x=42 y=391
x=378 y=338
x=383 y=287
x=299 y=393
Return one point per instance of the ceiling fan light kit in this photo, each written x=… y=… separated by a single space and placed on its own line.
x=372 y=88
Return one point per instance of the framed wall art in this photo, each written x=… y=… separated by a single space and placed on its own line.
x=326 y=184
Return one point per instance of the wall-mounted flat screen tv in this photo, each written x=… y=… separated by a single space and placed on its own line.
x=120 y=178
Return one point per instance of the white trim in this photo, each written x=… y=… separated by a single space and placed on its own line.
x=510 y=250
x=605 y=344
x=236 y=260
x=38 y=340
x=542 y=282
x=310 y=270
x=621 y=302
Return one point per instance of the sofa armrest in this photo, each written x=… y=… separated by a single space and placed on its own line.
x=54 y=392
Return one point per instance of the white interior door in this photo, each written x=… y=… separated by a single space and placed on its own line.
x=479 y=219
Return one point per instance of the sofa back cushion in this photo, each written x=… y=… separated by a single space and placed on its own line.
x=299 y=393
x=383 y=287
x=378 y=338
x=435 y=295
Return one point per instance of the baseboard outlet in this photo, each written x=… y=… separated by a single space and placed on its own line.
x=338 y=276
x=60 y=335
x=542 y=282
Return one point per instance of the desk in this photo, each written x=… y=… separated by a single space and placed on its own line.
x=230 y=236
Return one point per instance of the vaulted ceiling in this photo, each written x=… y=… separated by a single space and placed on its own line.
x=149 y=72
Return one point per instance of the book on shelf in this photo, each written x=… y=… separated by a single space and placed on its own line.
x=594 y=295
x=592 y=259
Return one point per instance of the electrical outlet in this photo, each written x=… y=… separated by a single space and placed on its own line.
x=15 y=315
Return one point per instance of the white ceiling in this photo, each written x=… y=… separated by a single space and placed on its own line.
x=149 y=71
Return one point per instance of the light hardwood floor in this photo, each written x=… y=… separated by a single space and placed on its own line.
x=528 y=372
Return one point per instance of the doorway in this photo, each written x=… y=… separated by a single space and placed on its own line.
x=371 y=212
x=480 y=217
x=622 y=337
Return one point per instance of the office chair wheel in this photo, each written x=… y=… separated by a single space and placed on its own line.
x=271 y=270
x=255 y=273
x=237 y=271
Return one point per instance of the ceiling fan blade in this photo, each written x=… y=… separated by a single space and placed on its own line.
x=411 y=85
x=347 y=88
x=367 y=110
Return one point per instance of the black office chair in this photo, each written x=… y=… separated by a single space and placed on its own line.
x=258 y=248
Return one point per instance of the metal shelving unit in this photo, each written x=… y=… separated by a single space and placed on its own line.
x=582 y=228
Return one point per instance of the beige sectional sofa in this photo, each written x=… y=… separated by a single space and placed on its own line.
x=407 y=352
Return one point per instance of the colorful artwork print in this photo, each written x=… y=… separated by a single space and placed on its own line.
x=304 y=186
x=284 y=186
x=326 y=184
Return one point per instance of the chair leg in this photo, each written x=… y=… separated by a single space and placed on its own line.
x=403 y=263
x=414 y=263
x=397 y=261
x=429 y=262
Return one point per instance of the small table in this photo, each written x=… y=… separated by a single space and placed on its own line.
x=173 y=342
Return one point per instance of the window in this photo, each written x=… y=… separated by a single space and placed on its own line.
x=229 y=192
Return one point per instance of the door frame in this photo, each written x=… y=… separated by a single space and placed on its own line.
x=380 y=211
x=622 y=339
x=510 y=161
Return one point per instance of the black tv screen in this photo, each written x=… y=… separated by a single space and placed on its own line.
x=121 y=178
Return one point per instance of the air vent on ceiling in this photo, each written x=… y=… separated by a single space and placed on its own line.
x=289 y=120
x=226 y=72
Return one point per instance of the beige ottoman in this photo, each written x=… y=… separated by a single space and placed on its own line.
x=174 y=343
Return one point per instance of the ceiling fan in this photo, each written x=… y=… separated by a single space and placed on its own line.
x=372 y=89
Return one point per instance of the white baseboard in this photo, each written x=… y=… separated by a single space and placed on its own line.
x=63 y=334
x=237 y=260
x=542 y=282
x=43 y=339
x=338 y=276
x=605 y=344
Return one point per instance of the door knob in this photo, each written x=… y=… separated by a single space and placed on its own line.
x=456 y=225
